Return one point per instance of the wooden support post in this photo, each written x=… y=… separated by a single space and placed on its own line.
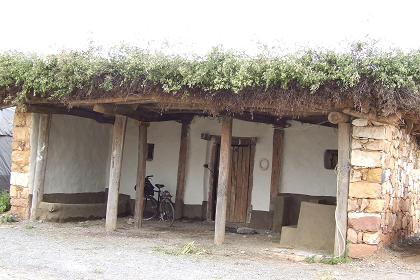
x=276 y=165
x=343 y=173
x=141 y=174
x=212 y=167
x=41 y=163
x=182 y=164
x=276 y=172
x=223 y=183
x=118 y=135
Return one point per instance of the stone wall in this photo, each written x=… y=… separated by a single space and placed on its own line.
x=383 y=204
x=21 y=151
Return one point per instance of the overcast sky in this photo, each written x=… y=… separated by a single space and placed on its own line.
x=185 y=26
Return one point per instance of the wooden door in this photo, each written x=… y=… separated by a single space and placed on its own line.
x=238 y=195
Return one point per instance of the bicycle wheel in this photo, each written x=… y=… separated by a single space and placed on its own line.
x=167 y=212
x=150 y=208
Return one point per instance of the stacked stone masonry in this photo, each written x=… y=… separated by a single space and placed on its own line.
x=21 y=150
x=383 y=203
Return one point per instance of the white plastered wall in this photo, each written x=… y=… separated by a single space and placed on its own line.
x=303 y=169
x=164 y=166
x=78 y=155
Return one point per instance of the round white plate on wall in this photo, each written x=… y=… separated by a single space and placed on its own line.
x=264 y=164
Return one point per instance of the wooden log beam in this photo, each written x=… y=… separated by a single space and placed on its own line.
x=79 y=112
x=276 y=162
x=118 y=136
x=261 y=118
x=394 y=119
x=182 y=168
x=223 y=184
x=337 y=117
x=135 y=112
x=192 y=103
x=41 y=163
x=141 y=174
x=111 y=109
x=343 y=175
x=133 y=99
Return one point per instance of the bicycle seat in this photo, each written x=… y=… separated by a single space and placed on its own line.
x=159 y=186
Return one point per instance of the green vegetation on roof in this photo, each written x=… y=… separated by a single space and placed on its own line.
x=76 y=74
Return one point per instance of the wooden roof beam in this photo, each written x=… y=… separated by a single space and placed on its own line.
x=140 y=114
x=261 y=118
x=79 y=112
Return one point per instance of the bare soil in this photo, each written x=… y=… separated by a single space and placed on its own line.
x=83 y=250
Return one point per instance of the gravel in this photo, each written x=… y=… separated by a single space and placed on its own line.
x=84 y=251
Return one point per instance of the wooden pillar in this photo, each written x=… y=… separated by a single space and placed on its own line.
x=343 y=179
x=223 y=182
x=182 y=164
x=40 y=163
x=212 y=166
x=118 y=135
x=141 y=174
x=276 y=164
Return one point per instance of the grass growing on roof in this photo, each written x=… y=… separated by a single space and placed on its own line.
x=81 y=74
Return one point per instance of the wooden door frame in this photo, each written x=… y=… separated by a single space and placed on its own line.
x=214 y=141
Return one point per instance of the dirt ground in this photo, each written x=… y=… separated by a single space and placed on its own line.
x=82 y=250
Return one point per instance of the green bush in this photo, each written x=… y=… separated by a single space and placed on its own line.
x=4 y=202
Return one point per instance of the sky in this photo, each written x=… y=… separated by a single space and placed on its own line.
x=195 y=26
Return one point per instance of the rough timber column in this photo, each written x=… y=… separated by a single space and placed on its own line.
x=278 y=139
x=141 y=174
x=384 y=188
x=182 y=163
x=223 y=184
x=21 y=153
x=40 y=163
x=118 y=135
x=343 y=171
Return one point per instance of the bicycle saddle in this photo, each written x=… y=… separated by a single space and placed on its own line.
x=159 y=186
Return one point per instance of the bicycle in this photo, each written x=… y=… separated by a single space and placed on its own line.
x=163 y=207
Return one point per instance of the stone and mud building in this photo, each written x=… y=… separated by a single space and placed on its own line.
x=248 y=159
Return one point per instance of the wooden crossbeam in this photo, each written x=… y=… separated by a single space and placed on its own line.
x=197 y=102
x=79 y=112
x=139 y=113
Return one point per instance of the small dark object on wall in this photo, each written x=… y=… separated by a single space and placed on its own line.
x=330 y=159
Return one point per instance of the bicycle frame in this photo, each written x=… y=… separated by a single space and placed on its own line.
x=159 y=191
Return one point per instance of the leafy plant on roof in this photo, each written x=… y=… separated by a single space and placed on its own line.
x=76 y=74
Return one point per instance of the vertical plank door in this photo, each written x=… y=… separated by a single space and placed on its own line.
x=238 y=192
